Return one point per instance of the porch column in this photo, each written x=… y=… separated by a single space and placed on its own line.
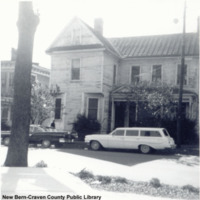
x=112 y=114
x=126 y=117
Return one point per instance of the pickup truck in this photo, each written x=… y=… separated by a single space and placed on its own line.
x=40 y=135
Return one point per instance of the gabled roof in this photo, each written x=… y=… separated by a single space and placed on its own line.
x=104 y=43
x=157 y=45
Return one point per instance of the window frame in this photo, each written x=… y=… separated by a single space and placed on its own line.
x=75 y=68
x=114 y=74
x=58 y=109
x=152 y=74
x=97 y=109
x=131 y=73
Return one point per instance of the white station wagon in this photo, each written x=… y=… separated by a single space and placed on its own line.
x=145 y=139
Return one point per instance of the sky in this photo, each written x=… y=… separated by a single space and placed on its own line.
x=121 y=18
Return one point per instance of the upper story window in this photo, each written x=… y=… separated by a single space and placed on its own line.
x=58 y=108
x=75 y=69
x=76 y=36
x=114 y=74
x=184 y=74
x=93 y=108
x=11 y=78
x=135 y=74
x=156 y=73
x=3 y=79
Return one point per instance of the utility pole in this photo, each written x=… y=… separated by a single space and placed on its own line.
x=18 y=147
x=181 y=79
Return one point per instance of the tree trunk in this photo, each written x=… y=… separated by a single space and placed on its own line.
x=18 y=149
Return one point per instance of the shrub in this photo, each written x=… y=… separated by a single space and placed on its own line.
x=188 y=133
x=121 y=180
x=104 y=179
x=155 y=183
x=84 y=174
x=85 y=126
x=41 y=164
x=190 y=188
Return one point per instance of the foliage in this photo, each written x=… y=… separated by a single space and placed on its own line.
x=42 y=103
x=41 y=164
x=84 y=174
x=121 y=180
x=155 y=98
x=85 y=126
x=191 y=188
x=104 y=179
x=154 y=182
x=4 y=126
x=188 y=134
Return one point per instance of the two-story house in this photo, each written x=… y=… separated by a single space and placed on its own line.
x=93 y=71
x=40 y=74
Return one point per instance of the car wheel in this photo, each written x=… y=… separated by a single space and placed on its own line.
x=6 y=141
x=95 y=145
x=46 y=143
x=145 y=149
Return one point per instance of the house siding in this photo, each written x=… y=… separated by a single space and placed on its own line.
x=169 y=70
x=76 y=90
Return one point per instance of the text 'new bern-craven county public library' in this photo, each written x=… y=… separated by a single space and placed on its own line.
x=93 y=72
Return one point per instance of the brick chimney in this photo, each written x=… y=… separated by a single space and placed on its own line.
x=98 y=25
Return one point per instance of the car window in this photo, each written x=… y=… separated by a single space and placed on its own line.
x=119 y=133
x=132 y=133
x=150 y=134
x=165 y=132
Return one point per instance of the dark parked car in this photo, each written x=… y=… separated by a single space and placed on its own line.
x=43 y=136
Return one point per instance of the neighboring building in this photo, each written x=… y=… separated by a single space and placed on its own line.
x=93 y=72
x=40 y=74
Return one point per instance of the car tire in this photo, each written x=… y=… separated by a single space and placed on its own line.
x=6 y=141
x=46 y=143
x=95 y=145
x=145 y=149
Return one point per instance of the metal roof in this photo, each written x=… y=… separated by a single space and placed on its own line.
x=157 y=45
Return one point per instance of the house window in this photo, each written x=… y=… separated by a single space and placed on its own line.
x=184 y=75
x=76 y=36
x=114 y=74
x=76 y=69
x=3 y=79
x=135 y=74
x=156 y=73
x=93 y=108
x=58 y=108
x=11 y=79
x=4 y=114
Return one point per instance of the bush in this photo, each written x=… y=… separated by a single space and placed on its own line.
x=104 y=179
x=190 y=188
x=188 y=133
x=41 y=164
x=121 y=180
x=84 y=174
x=154 y=182
x=85 y=126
